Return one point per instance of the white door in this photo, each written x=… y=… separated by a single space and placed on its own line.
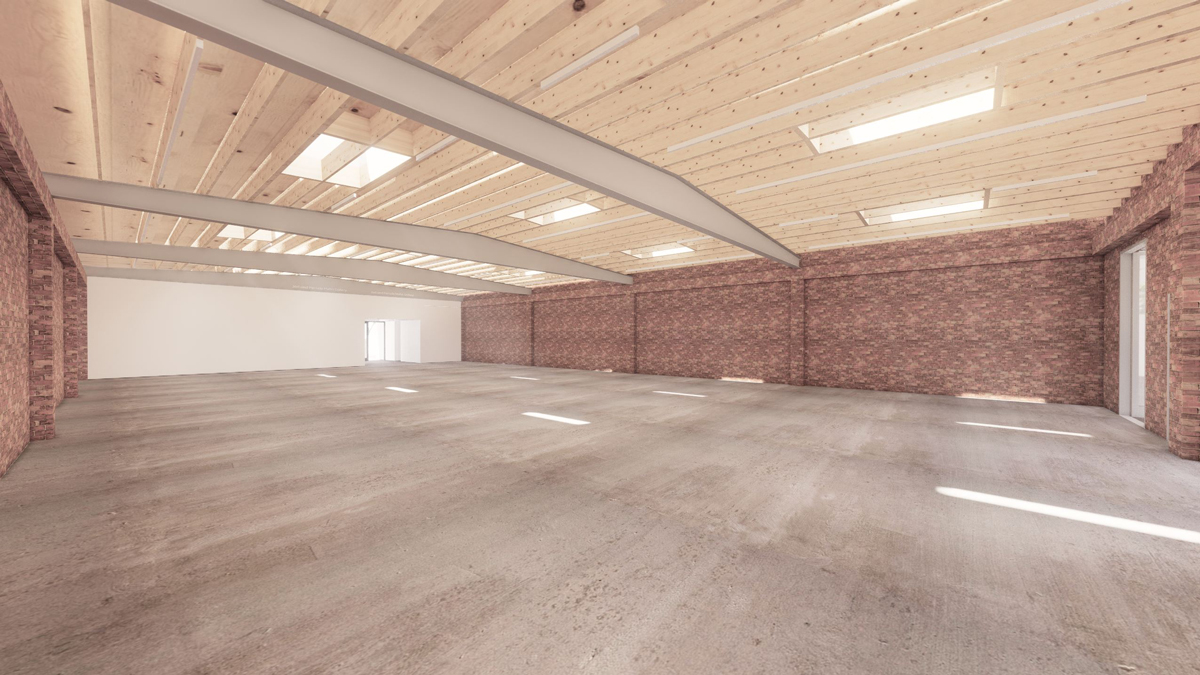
x=376 y=341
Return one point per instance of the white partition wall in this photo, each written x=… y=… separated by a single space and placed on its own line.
x=138 y=328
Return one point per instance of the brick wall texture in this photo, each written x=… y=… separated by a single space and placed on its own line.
x=1010 y=314
x=42 y=300
x=1165 y=213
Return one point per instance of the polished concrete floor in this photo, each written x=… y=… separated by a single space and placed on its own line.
x=284 y=522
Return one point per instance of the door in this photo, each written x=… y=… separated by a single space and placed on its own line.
x=376 y=341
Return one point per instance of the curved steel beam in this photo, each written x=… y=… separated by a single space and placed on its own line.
x=352 y=229
x=368 y=270
x=275 y=281
x=278 y=33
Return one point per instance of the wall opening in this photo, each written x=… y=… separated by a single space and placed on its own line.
x=1132 y=391
x=376 y=340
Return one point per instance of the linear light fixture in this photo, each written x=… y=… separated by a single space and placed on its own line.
x=455 y=191
x=351 y=197
x=1056 y=216
x=402 y=390
x=435 y=148
x=518 y=377
x=184 y=94
x=674 y=250
x=1045 y=181
x=555 y=418
x=679 y=393
x=982 y=45
x=957 y=141
x=811 y=220
x=1072 y=514
x=626 y=36
x=324 y=375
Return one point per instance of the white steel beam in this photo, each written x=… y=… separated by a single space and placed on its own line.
x=278 y=33
x=334 y=226
x=347 y=268
x=285 y=282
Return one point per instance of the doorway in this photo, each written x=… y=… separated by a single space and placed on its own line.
x=1132 y=402
x=376 y=338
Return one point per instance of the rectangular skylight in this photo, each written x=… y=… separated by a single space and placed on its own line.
x=308 y=164
x=558 y=216
x=239 y=232
x=937 y=211
x=925 y=116
x=658 y=253
x=368 y=167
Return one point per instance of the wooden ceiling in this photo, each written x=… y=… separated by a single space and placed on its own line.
x=728 y=94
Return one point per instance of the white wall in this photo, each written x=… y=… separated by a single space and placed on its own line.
x=138 y=328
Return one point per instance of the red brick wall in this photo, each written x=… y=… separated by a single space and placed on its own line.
x=498 y=330
x=740 y=331
x=887 y=316
x=1022 y=330
x=1165 y=212
x=43 y=294
x=14 y=330
x=57 y=328
x=592 y=333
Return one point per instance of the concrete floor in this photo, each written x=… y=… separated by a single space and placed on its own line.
x=288 y=523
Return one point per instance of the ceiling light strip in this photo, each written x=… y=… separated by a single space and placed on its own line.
x=586 y=227
x=951 y=143
x=1056 y=217
x=627 y=36
x=1044 y=181
x=468 y=186
x=1017 y=33
x=818 y=219
x=435 y=148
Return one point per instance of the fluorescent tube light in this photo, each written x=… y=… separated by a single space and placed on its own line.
x=587 y=227
x=555 y=418
x=518 y=377
x=539 y=193
x=678 y=393
x=1044 y=181
x=811 y=220
x=627 y=36
x=324 y=375
x=401 y=389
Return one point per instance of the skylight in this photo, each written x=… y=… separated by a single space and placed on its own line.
x=308 y=164
x=560 y=215
x=919 y=118
x=239 y=232
x=367 y=167
x=652 y=252
x=937 y=211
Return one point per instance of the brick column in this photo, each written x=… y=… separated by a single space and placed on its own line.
x=1185 y=327
x=41 y=330
x=74 y=329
